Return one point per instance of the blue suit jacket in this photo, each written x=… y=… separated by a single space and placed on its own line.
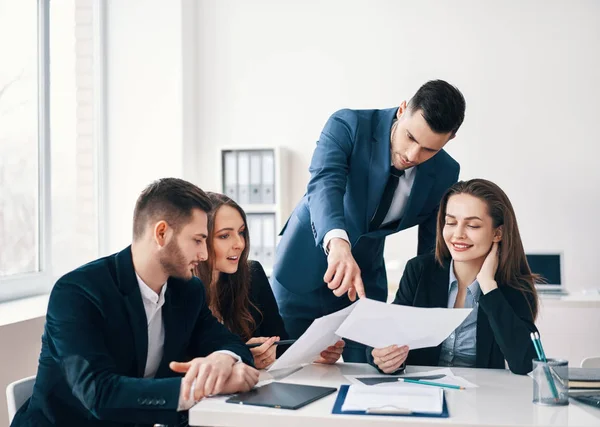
x=95 y=345
x=349 y=171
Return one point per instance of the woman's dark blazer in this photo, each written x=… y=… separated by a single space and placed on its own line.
x=504 y=319
x=268 y=321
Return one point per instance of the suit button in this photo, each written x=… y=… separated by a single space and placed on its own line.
x=161 y=402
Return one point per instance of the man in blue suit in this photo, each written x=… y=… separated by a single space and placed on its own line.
x=120 y=331
x=373 y=173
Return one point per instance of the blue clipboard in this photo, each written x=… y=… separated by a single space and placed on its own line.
x=339 y=401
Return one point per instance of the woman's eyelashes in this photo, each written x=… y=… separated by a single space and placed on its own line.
x=453 y=224
x=227 y=235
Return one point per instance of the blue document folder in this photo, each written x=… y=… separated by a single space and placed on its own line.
x=341 y=397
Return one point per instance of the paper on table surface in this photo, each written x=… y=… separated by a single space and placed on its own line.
x=320 y=335
x=444 y=375
x=378 y=324
x=415 y=399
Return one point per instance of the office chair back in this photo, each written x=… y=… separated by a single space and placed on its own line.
x=17 y=393
x=591 y=362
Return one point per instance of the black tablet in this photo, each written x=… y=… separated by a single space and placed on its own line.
x=282 y=395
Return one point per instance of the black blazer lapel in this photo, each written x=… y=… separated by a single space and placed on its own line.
x=128 y=284
x=380 y=161
x=437 y=281
x=173 y=320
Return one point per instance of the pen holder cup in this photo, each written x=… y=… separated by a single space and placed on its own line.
x=550 y=382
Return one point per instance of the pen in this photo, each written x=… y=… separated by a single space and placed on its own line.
x=539 y=341
x=537 y=344
x=280 y=342
x=408 y=380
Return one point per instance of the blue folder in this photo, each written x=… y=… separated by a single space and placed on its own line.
x=337 y=408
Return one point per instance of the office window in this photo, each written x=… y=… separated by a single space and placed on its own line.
x=19 y=192
x=48 y=151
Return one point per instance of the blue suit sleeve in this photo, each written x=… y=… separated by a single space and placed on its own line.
x=329 y=170
x=72 y=324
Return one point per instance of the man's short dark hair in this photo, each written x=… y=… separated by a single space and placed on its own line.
x=442 y=106
x=169 y=199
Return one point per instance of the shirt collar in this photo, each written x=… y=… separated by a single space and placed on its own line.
x=473 y=287
x=148 y=294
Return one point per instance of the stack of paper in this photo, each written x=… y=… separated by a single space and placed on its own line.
x=422 y=400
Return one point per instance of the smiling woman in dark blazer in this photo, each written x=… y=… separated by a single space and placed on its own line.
x=479 y=263
x=239 y=293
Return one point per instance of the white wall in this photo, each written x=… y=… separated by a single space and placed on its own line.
x=144 y=104
x=273 y=71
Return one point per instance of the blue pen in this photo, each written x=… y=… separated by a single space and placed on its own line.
x=539 y=341
x=408 y=380
x=541 y=348
x=542 y=357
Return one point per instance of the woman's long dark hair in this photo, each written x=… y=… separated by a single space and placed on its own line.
x=513 y=269
x=229 y=297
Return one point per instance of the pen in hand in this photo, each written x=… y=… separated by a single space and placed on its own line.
x=280 y=342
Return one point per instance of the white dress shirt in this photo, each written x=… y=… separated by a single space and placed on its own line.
x=153 y=304
x=397 y=208
x=156 y=329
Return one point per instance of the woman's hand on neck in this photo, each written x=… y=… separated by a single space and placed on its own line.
x=487 y=274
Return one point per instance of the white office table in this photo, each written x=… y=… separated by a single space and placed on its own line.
x=502 y=399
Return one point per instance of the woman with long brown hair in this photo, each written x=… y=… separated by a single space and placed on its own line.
x=238 y=291
x=479 y=263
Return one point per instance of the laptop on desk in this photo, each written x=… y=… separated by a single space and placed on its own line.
x=550 y=267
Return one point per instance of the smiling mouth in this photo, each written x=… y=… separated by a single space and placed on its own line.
x=461 y=246
x=233 y=258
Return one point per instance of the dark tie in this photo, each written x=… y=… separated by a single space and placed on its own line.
x=386 y=198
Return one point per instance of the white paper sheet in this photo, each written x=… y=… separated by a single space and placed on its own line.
x=378 y=324
x=447 y=377
x=320 y=335
x=413 y=399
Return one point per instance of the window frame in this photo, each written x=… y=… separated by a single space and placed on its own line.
x=40 y=282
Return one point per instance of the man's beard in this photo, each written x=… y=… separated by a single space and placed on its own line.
x=174 y=263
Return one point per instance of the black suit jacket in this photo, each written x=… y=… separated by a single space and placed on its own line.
x=95 y=345
x=504 y=318
x=267 y=318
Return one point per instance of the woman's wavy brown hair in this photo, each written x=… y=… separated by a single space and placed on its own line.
x=513 y=270
x=229 y=297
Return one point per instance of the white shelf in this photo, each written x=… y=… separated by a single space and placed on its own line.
x=280 y=209
x=259 y=208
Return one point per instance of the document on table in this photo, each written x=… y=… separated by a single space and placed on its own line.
x=320 y=335
x=378 y=324
x=444 y=375
x=424 y=400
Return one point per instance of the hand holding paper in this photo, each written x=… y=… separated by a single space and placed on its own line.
x=375 y=324
x=379 y=325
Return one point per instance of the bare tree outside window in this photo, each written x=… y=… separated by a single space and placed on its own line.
x=19 y=194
